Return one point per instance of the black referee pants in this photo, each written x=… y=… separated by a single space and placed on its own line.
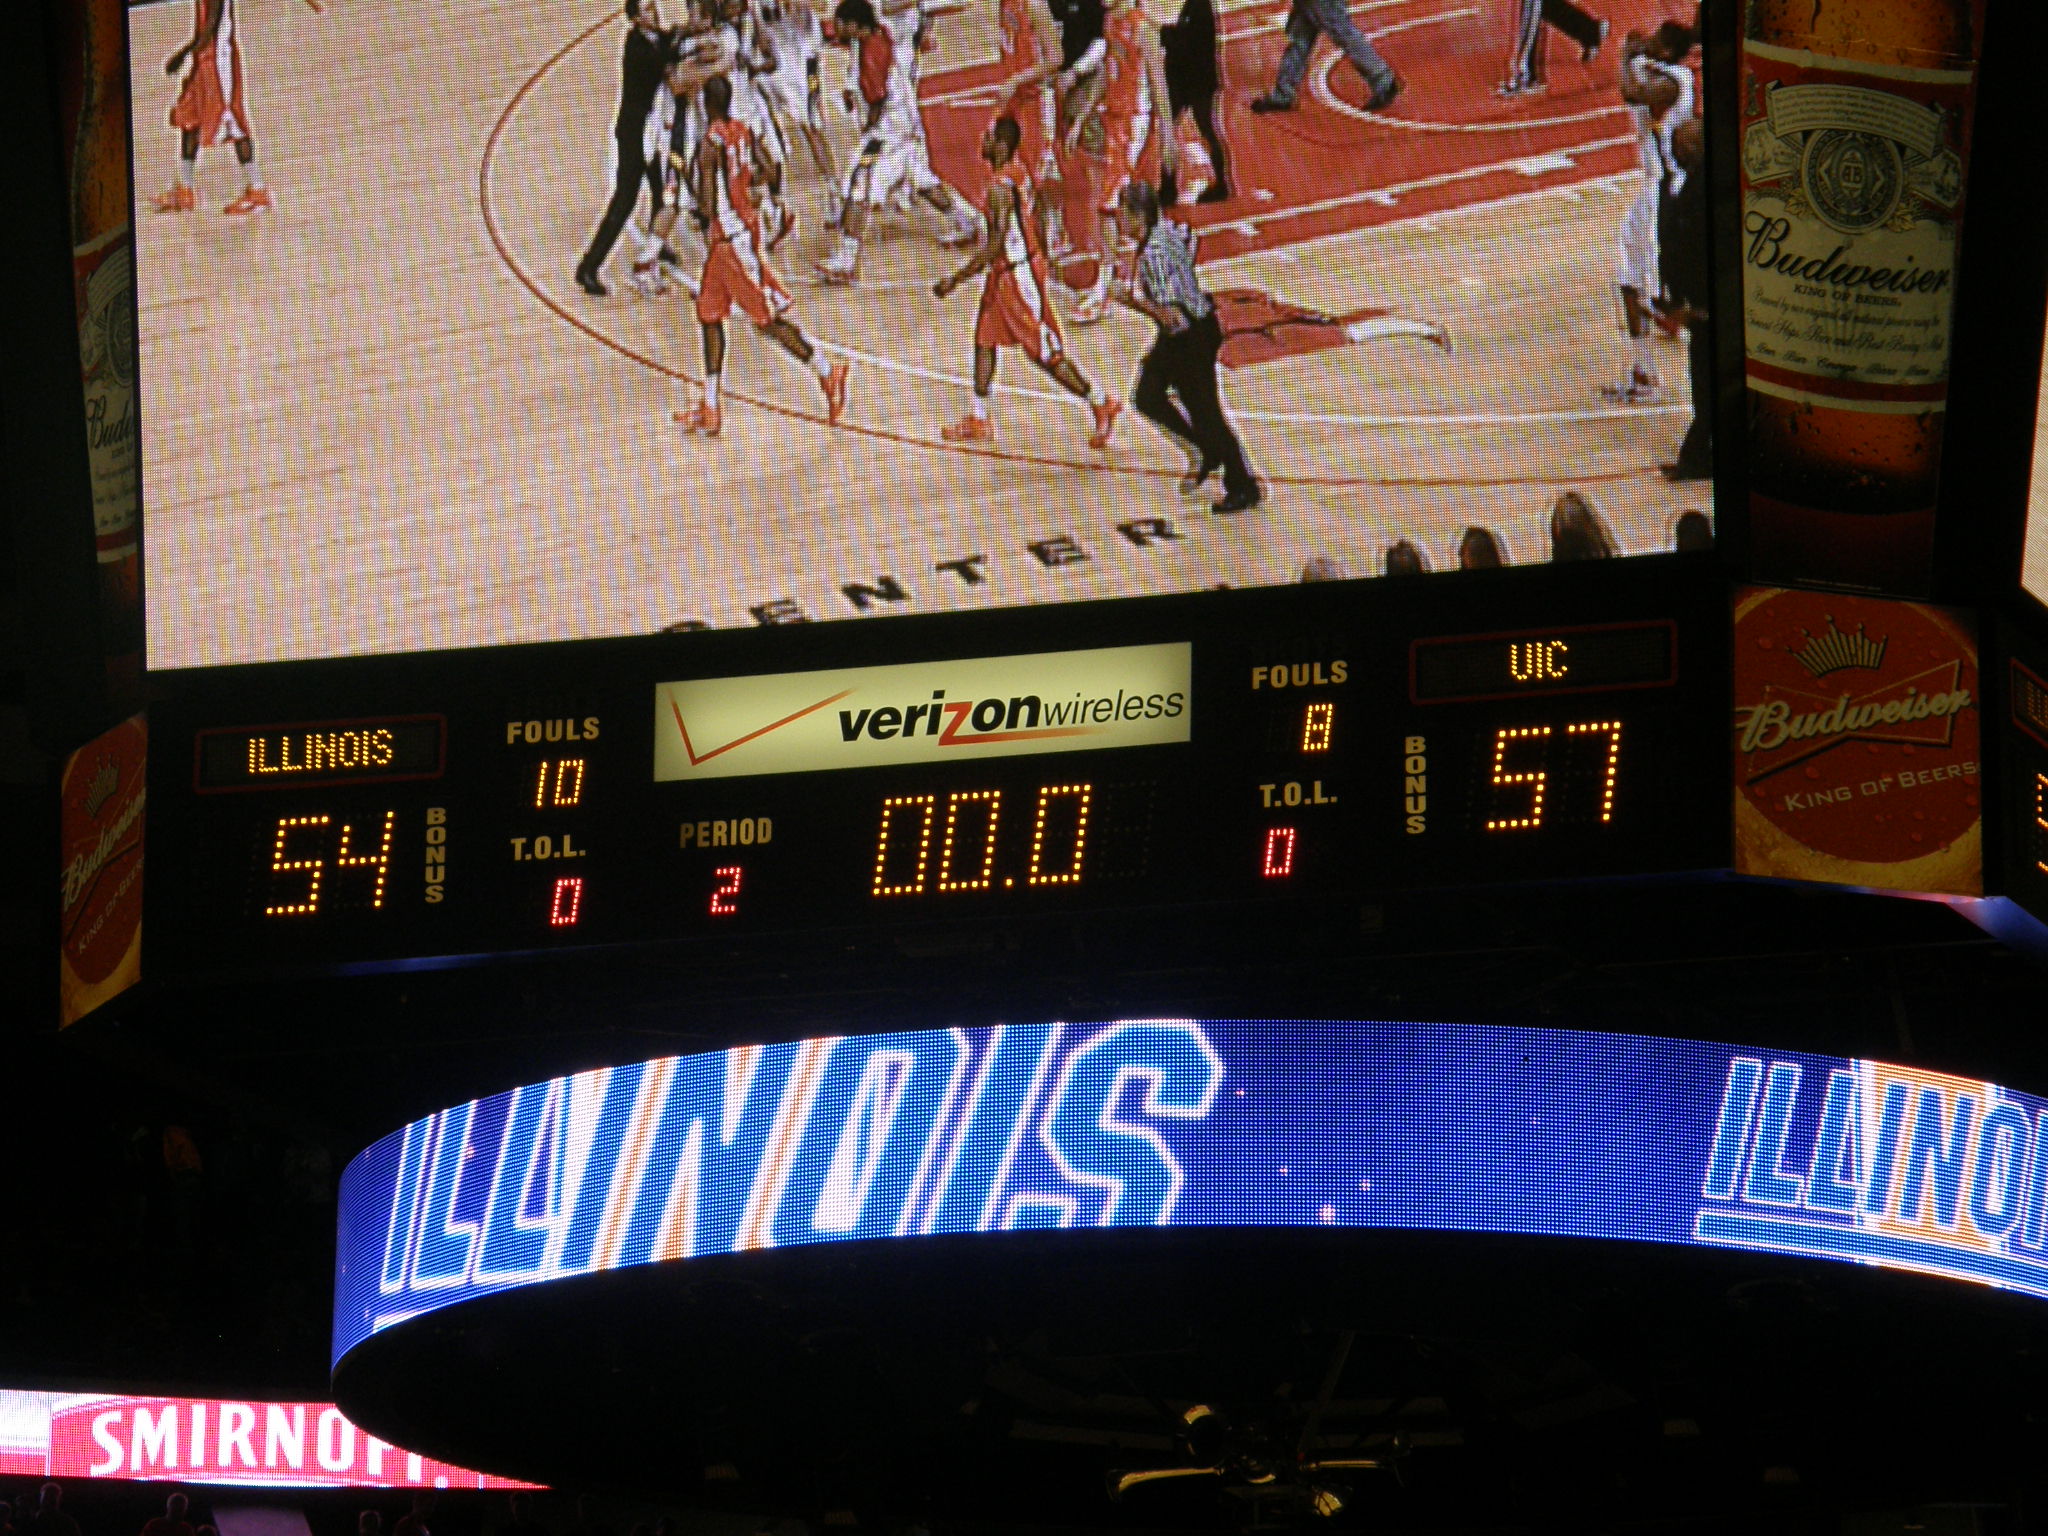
x=634 y=171
x=1184 y=364
x=1574 y=23
x=1696 y=451
x=1194 y=80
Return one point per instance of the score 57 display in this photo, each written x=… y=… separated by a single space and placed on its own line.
x=1328 y=743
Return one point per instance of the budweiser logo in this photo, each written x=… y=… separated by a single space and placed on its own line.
x=1917 y=711
x=1871 y=706
x=83 y=870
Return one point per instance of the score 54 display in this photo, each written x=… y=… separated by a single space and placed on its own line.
x=1329 y=742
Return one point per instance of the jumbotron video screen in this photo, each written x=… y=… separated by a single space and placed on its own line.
x=2034 y=567
x=492 y=321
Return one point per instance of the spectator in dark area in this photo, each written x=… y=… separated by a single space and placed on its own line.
x=172 y=1521
x=523 y=1522
x=1682 y=216
x=50 y=1519
x=186 y=1172
x=414 y=1521
x=1324 y=568
x=1404 y=559
x=6 y=1517
x=1479 y=550
x=370 y=1523
x=1694 y=533
x=1576 y=531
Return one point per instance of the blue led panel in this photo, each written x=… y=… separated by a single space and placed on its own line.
x=1185 y=1123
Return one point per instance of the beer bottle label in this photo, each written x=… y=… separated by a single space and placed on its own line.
x=1852 y=185
x=103 y=274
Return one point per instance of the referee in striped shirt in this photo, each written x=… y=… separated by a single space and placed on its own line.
x=1182 y=360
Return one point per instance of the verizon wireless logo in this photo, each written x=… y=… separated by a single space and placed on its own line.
x=800 y=722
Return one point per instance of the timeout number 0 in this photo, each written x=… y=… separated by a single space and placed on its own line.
x=972 y=816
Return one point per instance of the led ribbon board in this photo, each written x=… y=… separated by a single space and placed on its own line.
x=1183 y=1123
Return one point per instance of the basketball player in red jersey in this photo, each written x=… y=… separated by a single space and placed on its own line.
x=729 y=162
x=1015 y=308
x=1030 y=59
x=211 y=110
x=1129 y=93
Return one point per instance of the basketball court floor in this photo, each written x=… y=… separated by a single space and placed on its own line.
x=383 y=417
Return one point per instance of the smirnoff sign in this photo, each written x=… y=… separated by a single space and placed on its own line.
x=209 y=1441
x=1856 y=738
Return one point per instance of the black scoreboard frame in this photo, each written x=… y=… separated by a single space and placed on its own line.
x=1244 y=813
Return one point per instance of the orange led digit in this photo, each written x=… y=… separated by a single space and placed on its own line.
x=1612 y=728
x=1316 y=724
x=567 y=786
x=993 y=799
x=280 y=865
x=379 y=861
x=1537 y=779
x=914 y=886
x=2041 y=813
x=1081 y=795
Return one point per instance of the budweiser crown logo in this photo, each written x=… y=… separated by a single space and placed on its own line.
x=1834 y=651
x=105 y=780
x=1856 y=736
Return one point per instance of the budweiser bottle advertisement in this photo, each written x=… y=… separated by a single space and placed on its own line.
x=95 y=107
x=1855 y=137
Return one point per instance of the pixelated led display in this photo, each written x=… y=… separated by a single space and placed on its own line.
x=1454 y=271
x=1191 y=1123
x=2034 y=569
x=209 y=1442
x=1289 y=754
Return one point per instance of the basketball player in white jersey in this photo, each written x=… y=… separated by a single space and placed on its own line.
x=891 y=156
x=1659 y=93
x=793 y=89
x=908 y=26
x=698 y=54
x=753 y=60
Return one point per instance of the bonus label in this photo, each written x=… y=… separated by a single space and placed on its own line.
x=1856 y=736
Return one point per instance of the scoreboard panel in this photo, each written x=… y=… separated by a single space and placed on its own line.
x=1326 y=743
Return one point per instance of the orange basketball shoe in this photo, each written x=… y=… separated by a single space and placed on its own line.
x=706 y=420
x=969 y=429
x=1105 y=422
x=834 y=385
x=176 y=199
x=255 y=200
